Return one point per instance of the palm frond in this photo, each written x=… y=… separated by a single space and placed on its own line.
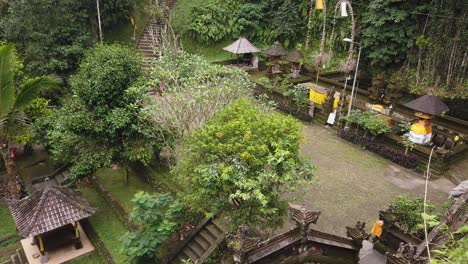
x=31 y=88
x=13 y=124
x=7 y=87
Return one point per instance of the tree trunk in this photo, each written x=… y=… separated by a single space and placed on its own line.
x=12 y=182
x=28 y=149
x=125 y=173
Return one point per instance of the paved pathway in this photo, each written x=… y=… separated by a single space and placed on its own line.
x=353 y=184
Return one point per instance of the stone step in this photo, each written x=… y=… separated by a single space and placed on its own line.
x=214 y=229
x=190 y=253
x=208 y=236
x=195 y=247
x=202 y=242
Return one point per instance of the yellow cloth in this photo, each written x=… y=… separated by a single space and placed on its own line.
x=421 y=128
x=319 y=4
x=377 y=228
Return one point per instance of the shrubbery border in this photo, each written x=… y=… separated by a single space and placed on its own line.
x=409 y=161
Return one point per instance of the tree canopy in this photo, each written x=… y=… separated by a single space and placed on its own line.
x=107 y=120
x=191 y=91
x=240 y=162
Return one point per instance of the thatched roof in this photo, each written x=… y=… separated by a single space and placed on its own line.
x=295 y=56
x=241 y=46
x=275 y=50
x=428 y=104
x=47 y=210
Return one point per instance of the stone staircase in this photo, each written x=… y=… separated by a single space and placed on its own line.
x=152 y=37
x=202 y=244
x=18 y=258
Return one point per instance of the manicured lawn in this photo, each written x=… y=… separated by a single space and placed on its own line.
x=213 y=53
x=112 y=180
x=7 y=225
x=106 y=224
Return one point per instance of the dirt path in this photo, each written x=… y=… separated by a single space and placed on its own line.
x=353 y=184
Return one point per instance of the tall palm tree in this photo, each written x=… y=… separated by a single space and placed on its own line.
x=13 y=100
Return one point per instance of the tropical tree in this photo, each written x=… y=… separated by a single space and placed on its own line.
x=191 y=91
x=107 y=121
x=14 y=99
x=240 y=162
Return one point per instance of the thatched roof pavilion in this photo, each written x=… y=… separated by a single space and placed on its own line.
x=47 y=210
x=295 y=56
x=428 y=104
x=276 y=50
x=241 y=46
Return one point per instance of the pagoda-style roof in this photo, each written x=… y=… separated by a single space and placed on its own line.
x=295 y=56
x=275 y=50
x=428 y=104
x=48 y=209
x=241 y=46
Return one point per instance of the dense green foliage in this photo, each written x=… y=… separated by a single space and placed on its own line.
x=157 y=217
x=107 y=120
x=456 y=250
x=192 y=90
x=389 y=31
x=52 y=36
x=409 y=211
x=265 y=21
x=240 y=162
x=15 y=98
x=370 y=122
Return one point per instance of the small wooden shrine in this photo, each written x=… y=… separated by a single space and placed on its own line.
x=49 y=219
x=274 y=53
x=295 y=57
x=426 y=108
x=301 y=244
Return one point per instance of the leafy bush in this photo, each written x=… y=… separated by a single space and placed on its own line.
x=409 y=211
x=370 y=122
x=157 y=216
x=240 y=162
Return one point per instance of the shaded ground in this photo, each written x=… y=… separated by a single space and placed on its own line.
x=459 y=170
x=353 y=184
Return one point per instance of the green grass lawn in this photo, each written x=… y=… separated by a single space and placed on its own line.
x=94 y=258
x=112 y=180
x=213 y=53
x=109 y=228
x=7 y=226
x=123 y=31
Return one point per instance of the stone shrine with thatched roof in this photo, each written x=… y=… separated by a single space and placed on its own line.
x=295 y=57
x=242 y=46
x=426 y=107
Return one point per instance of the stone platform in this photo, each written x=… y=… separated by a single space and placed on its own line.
x=58 y=256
